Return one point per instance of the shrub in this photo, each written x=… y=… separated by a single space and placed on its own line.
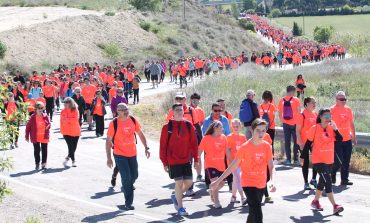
x=245 y=24
x=155 y=29
x=172 y=41
x=195 y=45
x=346 y=10
x=145 y=25
x=147 y=5
x=109 y=13
x=322 y=34
x=3 y=49
x=275 y=13
x=33 y=220
x=111 y=50
x=296 y=31
x=84 y=7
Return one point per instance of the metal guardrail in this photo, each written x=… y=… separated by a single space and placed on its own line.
x=363 y=139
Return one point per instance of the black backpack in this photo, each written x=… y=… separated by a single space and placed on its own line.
x=170 y=127
x=265 y=117
x=115 y=125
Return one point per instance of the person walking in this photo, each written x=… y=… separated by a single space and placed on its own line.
x=70 y=128
x=321 y=139
x=248 y=112
x=38 y=132
x=121 y=138
x=79 y=99
x=98 y=111
x=178 y=144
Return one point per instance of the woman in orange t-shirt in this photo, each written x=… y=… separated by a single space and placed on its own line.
x=300 y=85
x=70 y=128
x=214 y=145
x=98 y=111
x=253 y=157
x=234 y=141
x=38 y=131
x=321 y=139
x=267 y=112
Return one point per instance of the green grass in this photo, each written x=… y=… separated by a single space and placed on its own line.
x=354 y=24
x=82 y=4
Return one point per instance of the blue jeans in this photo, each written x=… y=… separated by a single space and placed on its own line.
x=343 y=152
x=128 y=170
x=289 y=132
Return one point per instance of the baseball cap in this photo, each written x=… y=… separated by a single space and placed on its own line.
x=180 y=95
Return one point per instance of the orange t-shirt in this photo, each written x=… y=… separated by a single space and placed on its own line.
x=110 y=80
x=98 y=109
x=253 y=163
x=300 y=81
x=323 y=144
x=296 y=105
x=267 y=138
x=130 y=76
x=306 y=123
x=49 y=91
x=88 y=92
x=270 y=109
x=112 y=93
x=69 y=122
x=124 y=141
x=11 y=109
x=343 y=117
x=31 y=105
x=215 y=150
x=200 y=114
x=234 y=142
x=40 y=130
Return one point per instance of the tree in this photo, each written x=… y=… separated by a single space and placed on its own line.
x=346 y=10
x=275 y=13
x=249 y=4
x=7 y=131
x=278 y=4
x=322 y=34
x=2 y=50
x=234 y=10
x=297 y=31
x=147 y=5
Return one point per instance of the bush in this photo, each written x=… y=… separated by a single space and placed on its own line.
x=195 y=45
x=297 y=31
x=322 y=34
x=245 y=24
x=172 y=41
x=147 y=5
x=275 y=13
x=346 y=10
x=111 y=50
x=109 y=13
x=3 y=49
x=251 y=11
x=145 y=25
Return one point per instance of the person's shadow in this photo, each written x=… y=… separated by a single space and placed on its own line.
x=26 y=173
x=109 y=192
x=316 y=217
x=55 y=170
x=298 y=196
x=105 y=216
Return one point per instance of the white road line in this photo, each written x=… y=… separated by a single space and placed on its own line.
x=72 y=198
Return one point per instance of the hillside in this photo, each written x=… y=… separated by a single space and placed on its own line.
x=80 y=38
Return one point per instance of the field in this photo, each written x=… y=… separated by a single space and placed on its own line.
x=354 y=24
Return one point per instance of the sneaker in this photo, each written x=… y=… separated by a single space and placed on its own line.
x=316 y=205
x=337 y=209
x=74 y=164
x=233 y=200
x=182 y=212
x=65 y=161
x=287 y=162
x=190 y=193
x=346 y=183
x=16 y=144
x=174 y=201
x=37 y=167
x=12 y=146
x=199 y=178
x=244 y=201
x=217 y=205
x=268 y=200
x=297 y=163
x=129 y=208
x=113 y=181
x=43 y=166
x=307 y=186
x=313 y=182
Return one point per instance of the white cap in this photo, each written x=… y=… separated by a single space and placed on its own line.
x=250 y=93
x=340 y=93
x=180 y=95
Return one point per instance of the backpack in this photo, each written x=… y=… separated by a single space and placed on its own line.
x=265 y=117
x=115 y=126
x=170 y=127
x=287 y=109
x=245 y=113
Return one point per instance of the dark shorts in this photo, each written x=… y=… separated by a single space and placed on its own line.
x=154 y=77
x=213 y=173
x=180 y=171
x=87 y=106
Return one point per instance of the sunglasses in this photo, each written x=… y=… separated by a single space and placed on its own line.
x=342 y=99
x=327 y=116
x=217 y=110
x=40 y=108
x=178 y=98
x=119 y=92
x=122 y=109
x=178 y=110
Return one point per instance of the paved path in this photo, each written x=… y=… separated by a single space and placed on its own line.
x=83 y=194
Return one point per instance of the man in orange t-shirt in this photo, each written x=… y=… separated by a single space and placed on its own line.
x=343 y=117
x=289 y=109
x=121 y=138
x=88 y=92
